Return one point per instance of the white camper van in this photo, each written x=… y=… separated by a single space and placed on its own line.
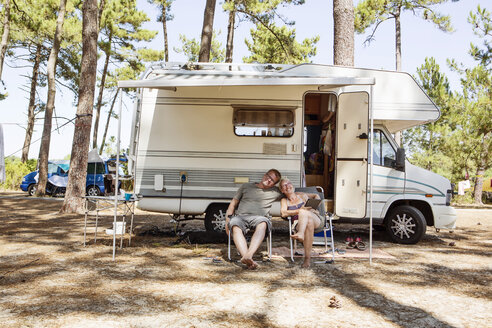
x=201 y=130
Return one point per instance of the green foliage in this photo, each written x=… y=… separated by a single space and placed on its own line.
x=278 y=45
x=482 y=27
x=15 y=170
x=163 y=4
x=191 y=49
x=370 y=12
x=427 y=143
x=264 y=13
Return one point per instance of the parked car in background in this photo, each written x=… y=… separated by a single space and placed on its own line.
x=58 y=177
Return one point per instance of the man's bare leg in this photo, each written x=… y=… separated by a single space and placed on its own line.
x=239 y=240
x=255 y=243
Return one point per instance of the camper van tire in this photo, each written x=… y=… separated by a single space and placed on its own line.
x=93 y=191
x=31 y=190
x=215 y=217
x=405 y=224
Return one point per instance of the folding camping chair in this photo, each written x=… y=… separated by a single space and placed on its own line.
x=323 y=210
x=268 y=241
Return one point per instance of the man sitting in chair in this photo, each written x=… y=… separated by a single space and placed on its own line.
x=253 y=202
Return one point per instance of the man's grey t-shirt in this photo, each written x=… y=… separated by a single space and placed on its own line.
x=254 y=200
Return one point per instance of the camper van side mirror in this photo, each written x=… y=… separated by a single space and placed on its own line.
x=400 y=159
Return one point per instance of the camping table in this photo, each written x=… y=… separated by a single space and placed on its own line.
x=125 y=207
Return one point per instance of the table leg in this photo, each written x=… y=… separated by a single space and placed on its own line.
x=85 y=220
x=131 y=223
x=97 y=218
x=123 y=222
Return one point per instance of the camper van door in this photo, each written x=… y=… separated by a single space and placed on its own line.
x=351 y=160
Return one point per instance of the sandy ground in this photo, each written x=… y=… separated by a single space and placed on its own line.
x=49 y=279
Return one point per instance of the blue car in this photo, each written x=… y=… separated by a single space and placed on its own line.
x=58 y=177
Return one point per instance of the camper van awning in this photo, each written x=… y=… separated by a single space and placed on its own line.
x=397 y=100
x=194 y=80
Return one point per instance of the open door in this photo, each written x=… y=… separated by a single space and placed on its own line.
x=351 y=160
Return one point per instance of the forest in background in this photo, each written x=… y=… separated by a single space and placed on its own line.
x=47 y=37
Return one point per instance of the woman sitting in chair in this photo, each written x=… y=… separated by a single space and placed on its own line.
x=308 y=219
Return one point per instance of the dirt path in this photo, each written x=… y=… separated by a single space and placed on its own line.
x=48 y=279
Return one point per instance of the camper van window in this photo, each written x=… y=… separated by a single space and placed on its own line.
x=263 y=122
x=384 y=154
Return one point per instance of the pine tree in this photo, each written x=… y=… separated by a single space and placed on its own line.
x=73 y=202
x=280 y=47
x=164 y=17
x=44 y=150
x=121 y=24
x=343 y=40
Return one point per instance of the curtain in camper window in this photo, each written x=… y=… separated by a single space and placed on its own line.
x=263 y=122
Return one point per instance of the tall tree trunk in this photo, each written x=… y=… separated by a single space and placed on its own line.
x=477 y=192
x=103 y=141
x=101 y=91
x=74 y=202
x=343 y=42
x=230 y=35
x=398 y=134
x=164 y=30
x=398 y=40
x=208 y=27
x=50 y=103
x=5 y=34
x=32 y=104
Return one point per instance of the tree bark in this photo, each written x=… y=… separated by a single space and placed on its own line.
x=44 y=150
x=107 y=122
x=398 y=134
x=101 y=92
x=230 y=35
x=5 y=35
x=482 y=167
x=208 y=26
x=343 y=42
x=164 y=30
x=32 y=105
x=74 y=202
x=398 y=40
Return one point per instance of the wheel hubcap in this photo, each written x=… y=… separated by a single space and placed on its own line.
x=219 y=222
x=403 y=226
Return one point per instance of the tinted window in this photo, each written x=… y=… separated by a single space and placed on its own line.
x=95 y=168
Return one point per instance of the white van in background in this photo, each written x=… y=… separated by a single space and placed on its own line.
x=200 y=130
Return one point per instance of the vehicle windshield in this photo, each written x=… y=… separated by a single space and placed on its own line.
x=58 y=167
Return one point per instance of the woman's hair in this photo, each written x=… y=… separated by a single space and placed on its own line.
x=282 y=181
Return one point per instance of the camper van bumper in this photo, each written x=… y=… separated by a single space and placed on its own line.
x=444 y=217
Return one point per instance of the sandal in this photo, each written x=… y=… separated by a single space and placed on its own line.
x=348 y=240
x=352 y=244
x=360 y=246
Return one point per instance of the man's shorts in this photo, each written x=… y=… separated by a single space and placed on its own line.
x=248 y=222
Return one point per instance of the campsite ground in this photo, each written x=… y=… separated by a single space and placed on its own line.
x=48 y=279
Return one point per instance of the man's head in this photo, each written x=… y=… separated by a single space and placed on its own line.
x=270 y=178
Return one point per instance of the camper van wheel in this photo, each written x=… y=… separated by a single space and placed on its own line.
x=93 y=191
x=405 y=224
x=31 y=190
x=215 y=217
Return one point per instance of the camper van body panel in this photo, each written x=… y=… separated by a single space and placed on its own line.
x=185 y=147
x=191 y=130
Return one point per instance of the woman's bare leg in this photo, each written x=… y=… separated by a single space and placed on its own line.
x=303 y=221
x=313 y=222
x=308 y=242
